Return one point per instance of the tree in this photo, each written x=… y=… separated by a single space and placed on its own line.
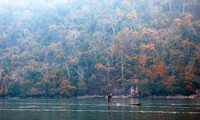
x=66 y=90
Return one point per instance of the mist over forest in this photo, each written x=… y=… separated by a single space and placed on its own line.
x=66 y=48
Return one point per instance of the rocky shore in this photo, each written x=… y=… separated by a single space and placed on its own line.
x=177 y=96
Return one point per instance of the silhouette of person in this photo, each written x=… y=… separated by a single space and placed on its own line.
x=110 y=98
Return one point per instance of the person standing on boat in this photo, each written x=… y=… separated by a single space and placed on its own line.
x=110 y=98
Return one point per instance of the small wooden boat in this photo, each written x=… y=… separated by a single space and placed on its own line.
x=136 y=104
x=133 y=104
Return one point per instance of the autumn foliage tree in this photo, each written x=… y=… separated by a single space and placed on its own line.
x=66 y=89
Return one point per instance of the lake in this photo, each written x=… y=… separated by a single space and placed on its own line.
x=98 y=109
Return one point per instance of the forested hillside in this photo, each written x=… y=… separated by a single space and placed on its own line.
x=63 y=48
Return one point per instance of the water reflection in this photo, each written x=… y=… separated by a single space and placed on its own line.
x=109 y=112
x=90 y=109
x=109 y=107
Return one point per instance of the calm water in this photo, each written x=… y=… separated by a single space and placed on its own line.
x=98 y=109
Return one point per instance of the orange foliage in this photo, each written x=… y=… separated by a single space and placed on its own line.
x=101 y=66
x=28 y=67
x=197 y=56
x=135 y=81
x=132 y=15
x=177 y=21
x=115 y=47
x=188 y=16
x=122 y=79
x=143 y=60
x=6 y=77
x=64 y=92
x=189 y=76
x=46 y=78
x=45 y=65
x=186 y=42
x=65 y=86
x=150 y=32
x=135 y=34
x=119 y=37
x=150 y=73
x=33 y=63
x=64 y=83
x=111 y=68
x=1 y=91
x=121 y=46
x=187 y=19
x=159 y=69
x=192 y=69
x=177 y=37
x=35 y=90
x=181 y=68
x=135 y=68
x=156 y=60
x=72 y=60
x=143 y=47
x=125 y=30
x=170 y=80
x=14 y=57
x=172 y=52
x=190 y=87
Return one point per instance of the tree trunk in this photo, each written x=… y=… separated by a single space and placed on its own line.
x=122 y=68
x=170 y=5
x=122 y=64
x=68 y=73
x=108 y=70
x=183 y=6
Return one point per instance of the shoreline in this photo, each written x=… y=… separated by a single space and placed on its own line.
x=128 y=96
x=114 y=96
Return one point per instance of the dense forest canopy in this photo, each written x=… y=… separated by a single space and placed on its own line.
x=63 y=48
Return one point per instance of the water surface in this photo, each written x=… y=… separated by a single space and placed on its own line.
x=98 y=109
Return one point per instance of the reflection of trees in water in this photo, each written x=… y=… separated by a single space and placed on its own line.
x=109 y=112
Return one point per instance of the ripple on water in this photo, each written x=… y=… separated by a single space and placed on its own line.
x=58 y=109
